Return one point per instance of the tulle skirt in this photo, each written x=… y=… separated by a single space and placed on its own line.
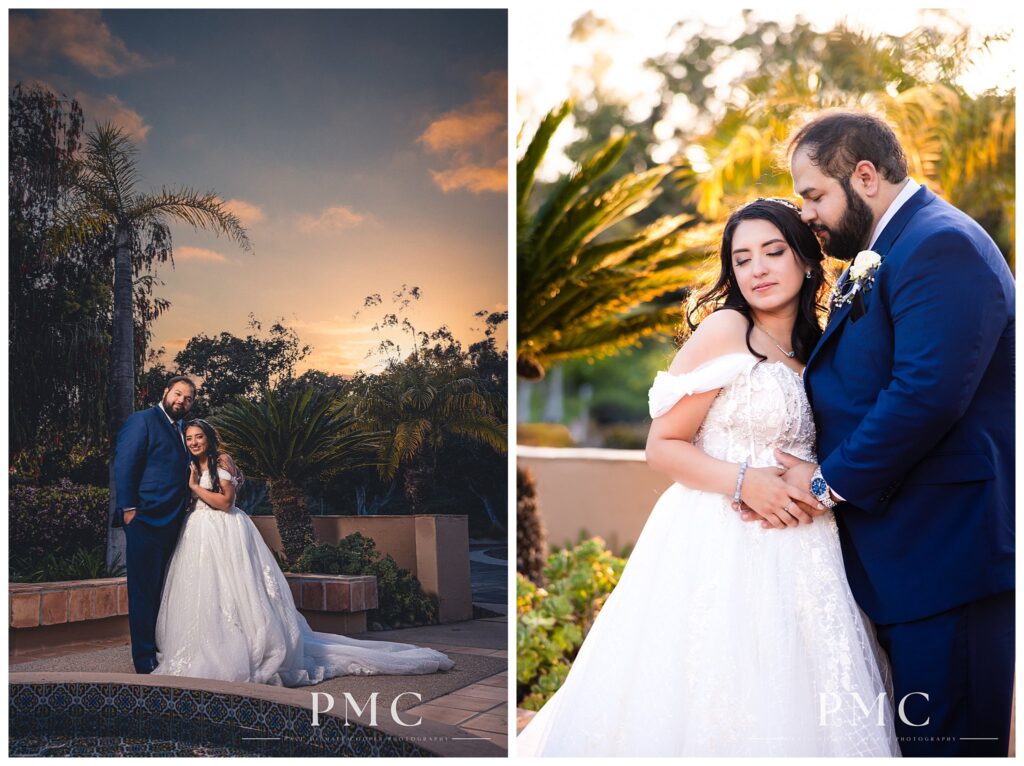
x=724 y=638
x=226 y=613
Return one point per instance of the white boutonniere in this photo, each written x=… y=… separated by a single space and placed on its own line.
x=859 y=278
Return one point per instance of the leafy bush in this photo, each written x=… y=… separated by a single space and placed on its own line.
x=46 y=465
x=82 y=564
x=531 y=538
x=624 y=435
x=402 y=602
x=543 y=435
x=57 y=519
x=618 y=406
x=553 y=621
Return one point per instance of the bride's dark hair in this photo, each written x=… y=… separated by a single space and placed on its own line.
x=725 y=292
x=213 y=452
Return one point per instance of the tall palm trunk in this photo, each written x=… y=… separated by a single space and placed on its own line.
x=293 y=523
x=122 y=370
x=418 y=480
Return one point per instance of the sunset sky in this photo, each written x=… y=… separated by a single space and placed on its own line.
x=363 y=150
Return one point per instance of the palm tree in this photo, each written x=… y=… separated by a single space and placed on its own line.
x=288 y=439
x=961 y=146
x=581 y=294
x=424 y=407
x=106 y=198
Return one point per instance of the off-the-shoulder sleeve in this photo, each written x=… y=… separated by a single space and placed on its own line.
x=669 y=389
x=226 y=475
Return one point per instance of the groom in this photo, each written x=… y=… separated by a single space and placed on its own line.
x=151 y=469
x=912 y=387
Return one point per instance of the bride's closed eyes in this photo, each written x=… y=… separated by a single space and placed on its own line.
x=743 y=261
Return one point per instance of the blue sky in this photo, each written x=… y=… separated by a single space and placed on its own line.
x=362 y=149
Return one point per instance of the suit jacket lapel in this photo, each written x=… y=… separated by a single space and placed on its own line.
x=834 y=321
x=882 y=246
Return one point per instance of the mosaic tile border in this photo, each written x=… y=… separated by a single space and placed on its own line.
x=112 y=718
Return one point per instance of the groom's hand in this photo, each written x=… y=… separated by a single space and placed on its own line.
x=798 y=474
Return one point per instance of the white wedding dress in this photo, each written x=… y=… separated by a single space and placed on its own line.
x=226 y=613
x=722 y=637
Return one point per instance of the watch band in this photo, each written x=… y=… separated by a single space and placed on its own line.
x=821 y=490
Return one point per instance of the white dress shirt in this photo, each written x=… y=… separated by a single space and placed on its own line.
x=909 y=190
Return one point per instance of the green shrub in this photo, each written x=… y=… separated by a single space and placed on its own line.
x=44 y=465
x=81 y=564
x=543 y=435
x=401 y=600
x=624 y=436
x=58 y=519
x=531 y=539
x=553 y=621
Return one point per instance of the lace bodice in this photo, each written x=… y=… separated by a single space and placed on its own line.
x=761 y=406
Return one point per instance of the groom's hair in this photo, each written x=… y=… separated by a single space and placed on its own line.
x=181 y=379
x=837 y=141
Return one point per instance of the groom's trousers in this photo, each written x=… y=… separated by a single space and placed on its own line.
x=148 y=552
x=963 y=660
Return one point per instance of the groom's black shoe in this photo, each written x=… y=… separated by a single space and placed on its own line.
x=148 y=667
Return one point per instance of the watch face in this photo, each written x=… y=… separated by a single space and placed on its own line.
x=818 y=487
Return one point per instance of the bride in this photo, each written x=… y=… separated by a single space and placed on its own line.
x=226 y=611
x=724 y=637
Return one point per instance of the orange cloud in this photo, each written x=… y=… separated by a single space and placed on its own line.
x=176 y=343
x=113 y=110
x=188 y=253
x=455 y=130
x=80 y=36
x=332 y=219
x=473 y=178
x=247 y=213
x=473 y=138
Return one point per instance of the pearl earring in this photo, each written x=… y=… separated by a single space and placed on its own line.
x=807 y=275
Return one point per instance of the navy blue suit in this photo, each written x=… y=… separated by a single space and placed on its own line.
x=912 y=387
x=151 y=467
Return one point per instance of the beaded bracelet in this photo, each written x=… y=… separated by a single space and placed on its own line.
x=739 y=483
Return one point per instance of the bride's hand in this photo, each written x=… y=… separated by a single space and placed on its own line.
x=776 y=502
x=193 y=476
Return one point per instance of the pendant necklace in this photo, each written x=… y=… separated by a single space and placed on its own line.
x=790 y=354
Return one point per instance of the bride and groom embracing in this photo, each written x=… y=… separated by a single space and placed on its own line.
x=206 y=598
x=832 y=572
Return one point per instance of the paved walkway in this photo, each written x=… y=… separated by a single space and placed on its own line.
x=488 y=573
x=479 y=709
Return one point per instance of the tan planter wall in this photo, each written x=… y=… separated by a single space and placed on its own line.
x=56 y=614
x=434 y=548
x=608 y=493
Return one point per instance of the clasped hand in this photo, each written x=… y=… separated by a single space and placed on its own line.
x=780 y=497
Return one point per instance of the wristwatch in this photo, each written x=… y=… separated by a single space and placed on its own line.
x=820 y=489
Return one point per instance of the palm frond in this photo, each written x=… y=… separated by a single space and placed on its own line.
x=201 y=210
x=526 y=168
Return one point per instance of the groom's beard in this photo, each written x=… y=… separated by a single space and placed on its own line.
x=850 y=236
x=176 y=413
